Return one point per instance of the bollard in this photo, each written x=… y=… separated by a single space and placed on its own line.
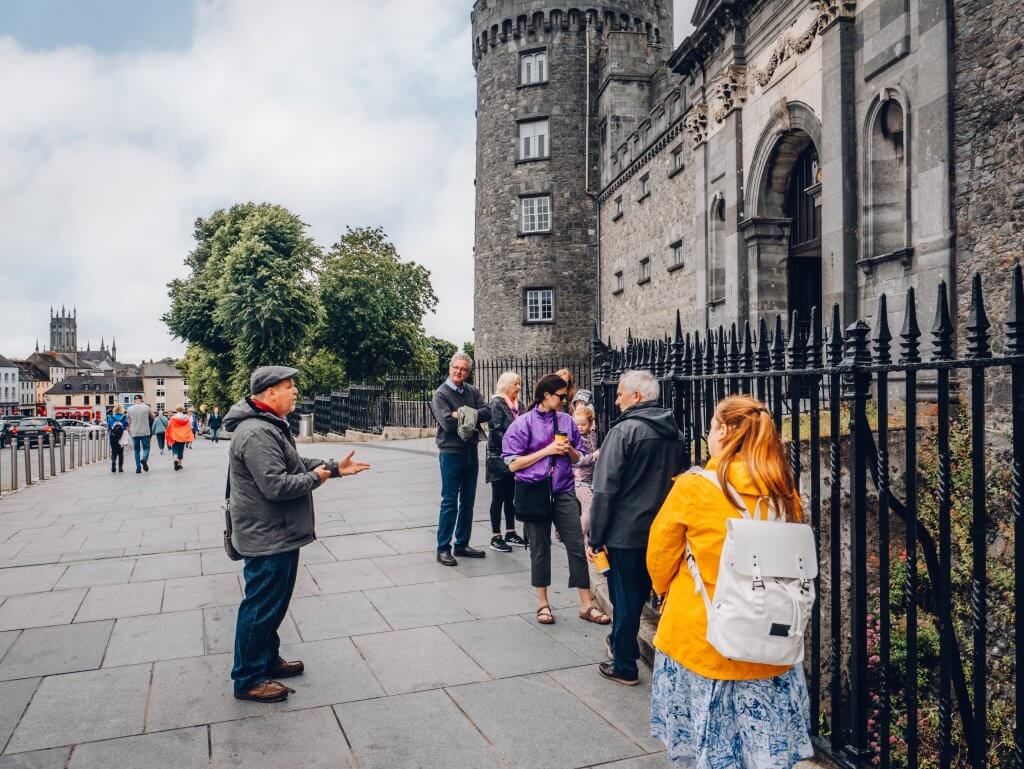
x=14 y=465
x=71 y=453
x=28 y=463
x=53 y=456
x=42 y=463
x=81 y=452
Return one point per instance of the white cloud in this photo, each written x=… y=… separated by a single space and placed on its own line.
x=346 y=113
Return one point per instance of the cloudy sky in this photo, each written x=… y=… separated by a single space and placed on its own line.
x=122 y=121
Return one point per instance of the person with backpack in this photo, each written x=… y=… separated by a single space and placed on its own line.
x=179 y=435
x=728 y=686
x=505 y=407
x=117 y=424
x=160 y=429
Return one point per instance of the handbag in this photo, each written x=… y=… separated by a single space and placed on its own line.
x=229 y=548
x=125 y=441
x=533 y=501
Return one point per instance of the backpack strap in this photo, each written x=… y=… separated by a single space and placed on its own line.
x=732 y=496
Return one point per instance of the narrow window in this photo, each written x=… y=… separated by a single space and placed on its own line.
x=86 y=400
x=533 y=68
x=620 y=282
x=645 y=270
x=675 y=259
x=540 y=305
x=67 y=400
x=618 y=206
x=645 y=186
x=677 y=159
x=716 y=271
x=533 y=140
x=536 y=213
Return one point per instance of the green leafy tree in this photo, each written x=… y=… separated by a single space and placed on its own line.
x=470 y=349
x=320 y=371
x=438 y=354
x=374 y=304
x=249 y=299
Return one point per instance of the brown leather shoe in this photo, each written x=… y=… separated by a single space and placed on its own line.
x=268 y=691
x=286 y=669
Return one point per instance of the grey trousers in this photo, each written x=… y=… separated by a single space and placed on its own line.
x=565 y=516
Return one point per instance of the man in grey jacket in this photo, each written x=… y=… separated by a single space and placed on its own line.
x=639 y=456
x=271 y=504
x=460 y=463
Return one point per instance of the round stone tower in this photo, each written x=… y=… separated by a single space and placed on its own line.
x=537 y=150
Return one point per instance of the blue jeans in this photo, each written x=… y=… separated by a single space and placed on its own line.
x=269 y=581
x=629 y=587
x=458 y=494
x=215 y=434
x=140 y=446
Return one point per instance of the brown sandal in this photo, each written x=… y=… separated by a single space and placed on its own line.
x=595 y=615
x=544 y=615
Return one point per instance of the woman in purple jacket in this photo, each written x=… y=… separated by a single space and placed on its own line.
x=531 y=450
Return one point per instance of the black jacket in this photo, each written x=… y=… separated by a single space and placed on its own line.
x=501 y=418
x=641 y=453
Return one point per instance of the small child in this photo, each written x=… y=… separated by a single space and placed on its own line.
x=584 y=417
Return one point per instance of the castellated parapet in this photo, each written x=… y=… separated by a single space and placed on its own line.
x=509 y=262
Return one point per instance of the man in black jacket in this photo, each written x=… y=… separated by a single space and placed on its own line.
x=639 y=456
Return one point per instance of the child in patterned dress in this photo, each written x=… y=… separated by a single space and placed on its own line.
x=584 y=417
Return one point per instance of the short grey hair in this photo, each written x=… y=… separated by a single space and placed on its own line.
x=505 y=381
x=642 y=382
x=461 y=356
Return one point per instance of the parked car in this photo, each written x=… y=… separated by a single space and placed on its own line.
x=79 y=427
x=5 y=433
x=33 y=429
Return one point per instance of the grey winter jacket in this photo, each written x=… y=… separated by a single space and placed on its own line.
x=271 y=485
x=639 y=456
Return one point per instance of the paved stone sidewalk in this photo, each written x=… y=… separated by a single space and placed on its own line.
x=117 y=611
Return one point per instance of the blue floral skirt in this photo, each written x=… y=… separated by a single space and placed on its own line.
x=711 y=724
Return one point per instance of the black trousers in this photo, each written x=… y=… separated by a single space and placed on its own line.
x=566 y=519
x=503 y=494
x=116 y=456
x=629 y=587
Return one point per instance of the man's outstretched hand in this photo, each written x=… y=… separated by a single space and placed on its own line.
x=349 y=466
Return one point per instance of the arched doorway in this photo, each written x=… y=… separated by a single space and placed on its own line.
x=803 y=266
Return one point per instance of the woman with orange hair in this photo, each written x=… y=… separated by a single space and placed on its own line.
x=710 y=711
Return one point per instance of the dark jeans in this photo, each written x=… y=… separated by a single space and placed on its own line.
x=458 y=493
x=269 y=581
x=160 y=440
x=178 y=450
x=503 y=493
x=629 y=587
x=140 y=446
x=116 y=456
x=215 y=434
x=565 y=516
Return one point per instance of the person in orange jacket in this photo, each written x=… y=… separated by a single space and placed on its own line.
x=711 y=711
x=179 y=435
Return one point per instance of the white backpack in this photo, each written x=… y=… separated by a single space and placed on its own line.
x=765 y=587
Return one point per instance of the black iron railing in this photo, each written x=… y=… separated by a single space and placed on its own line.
x=911 y=646
x=486 y=372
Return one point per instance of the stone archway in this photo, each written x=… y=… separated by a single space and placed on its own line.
x=781 y=152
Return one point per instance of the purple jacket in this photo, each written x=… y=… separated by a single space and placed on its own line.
x=530 y=433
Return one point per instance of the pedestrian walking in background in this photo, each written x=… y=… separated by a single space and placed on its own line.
x=179 y=435
x=540 y=447
x=271 y=513
x=711 y=711
x=505 y=407
x=459 y=410
x=641 y=453
x=215 y=421
x=583 y=470
x=117 y=427
x=193 y=419
x=160 y=430
x=140 y=426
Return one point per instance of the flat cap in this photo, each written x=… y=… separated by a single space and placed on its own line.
x=268 y=376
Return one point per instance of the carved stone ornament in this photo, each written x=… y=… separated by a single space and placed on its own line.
x=730 y=91
x=830 y=10
x=697 y=124
x=788 y=46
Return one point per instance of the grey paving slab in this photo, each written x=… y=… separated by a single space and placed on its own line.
x=180 y=748
x=146 y=524
x=412 y=540
x=510 y=646
x=40 y=609
x=29 y=579
x=14 y=698
x=46 y=651
x=355 y=546
x=173 y=566
x=7 y=638
x=434 y=732
x=217 y=562
x=219 y=629
x=411 y=606
x=628 y=707
x=584 y=638
x=497 y=595
x=315 y=552
x=346 y=576
x=650 y=761
x=310 y=739
x=421 y=658
x=416 y=568
x=54 y=758
x=112 y=601
x=334 y=616
x=552 y=730
x=201 y=592
x=83 y=707
x=495 y=563
x=155 y=637
x=108 y=541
